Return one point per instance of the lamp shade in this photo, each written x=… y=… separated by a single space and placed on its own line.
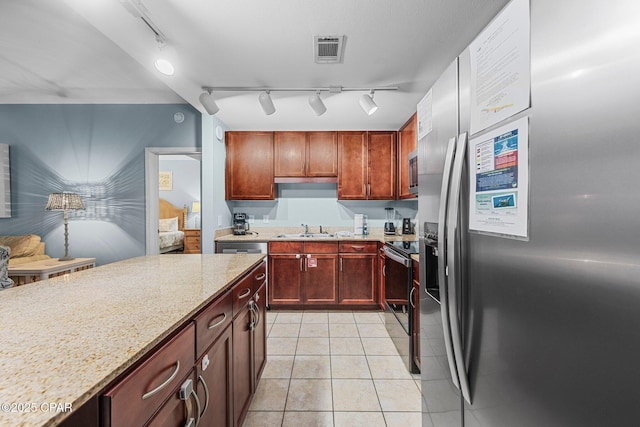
x=367 y=104
x=209 y=104
x=195 y=207
x=63 y=201
x=266 y=103
x=317 y=105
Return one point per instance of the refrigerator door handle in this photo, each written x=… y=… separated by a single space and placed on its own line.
x=452 y=228
x=442 y=259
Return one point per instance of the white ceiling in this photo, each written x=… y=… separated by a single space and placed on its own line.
x=81 y=51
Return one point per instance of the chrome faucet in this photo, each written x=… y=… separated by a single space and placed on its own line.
x=306 y=228
x=321 y=230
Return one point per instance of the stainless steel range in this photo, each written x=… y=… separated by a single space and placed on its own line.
x=400 y=310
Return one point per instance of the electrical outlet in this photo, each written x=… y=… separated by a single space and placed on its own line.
x=219 y=220
x=252 y=219
x=265 y=219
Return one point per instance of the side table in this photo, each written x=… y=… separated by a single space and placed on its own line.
x=47 y=268
x=191 y=241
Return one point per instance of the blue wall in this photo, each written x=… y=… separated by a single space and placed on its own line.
x=98 y=152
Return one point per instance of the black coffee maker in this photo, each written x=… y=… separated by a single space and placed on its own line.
x=240 y=224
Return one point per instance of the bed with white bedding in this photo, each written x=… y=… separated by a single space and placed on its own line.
x=171 y=227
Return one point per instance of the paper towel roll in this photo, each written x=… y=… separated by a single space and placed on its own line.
x=358 y=222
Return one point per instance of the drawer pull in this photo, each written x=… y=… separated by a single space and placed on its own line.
x=357 y=248
x=164 y=384
x=212 y=325
x=261 y=276
x=245 y=294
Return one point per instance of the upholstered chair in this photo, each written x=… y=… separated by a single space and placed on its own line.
x=5 y=282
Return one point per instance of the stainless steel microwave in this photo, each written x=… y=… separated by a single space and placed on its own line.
x=413 y=172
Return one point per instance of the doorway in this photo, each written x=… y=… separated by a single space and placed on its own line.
x=153 y=156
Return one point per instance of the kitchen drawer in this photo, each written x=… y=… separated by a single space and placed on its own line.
x=259 y=277
x=133 y=400
x=359 y=247
x=288 y=247
x=320 y=247
x=242 y=292
x=213 y=321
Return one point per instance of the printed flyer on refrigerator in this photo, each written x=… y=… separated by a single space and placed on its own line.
x=499 y=180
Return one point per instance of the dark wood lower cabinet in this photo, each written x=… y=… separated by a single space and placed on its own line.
x=163 y=389
x=285 y=279
x=358 y=279
x=320 y=279
x=215 y=382
x=242 y=364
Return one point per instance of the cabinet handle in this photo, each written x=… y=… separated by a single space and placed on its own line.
x=368 y=189
x=213 y=325
x=300 y=258
x=384 y=270
x=357 y=248
x=186 y=392
x=411 y=298
x=206 y=395
x=260 y=276
x=164 y=384
x=340 y=263
x=245 y=294
x=257 y=311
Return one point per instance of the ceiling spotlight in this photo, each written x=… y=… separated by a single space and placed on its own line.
x=165 y=67
x=209 y=104
x=267 y=103
x=316 y=104
x=367 y=103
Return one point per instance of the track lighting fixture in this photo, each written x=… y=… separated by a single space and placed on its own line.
x=367 y=103
x=266 y=103
x=316 y=104
x=315 y=101
x=209 y=104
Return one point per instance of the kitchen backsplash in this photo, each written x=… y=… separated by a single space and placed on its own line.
x=318 y=204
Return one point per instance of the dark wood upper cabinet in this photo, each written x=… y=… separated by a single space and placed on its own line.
x=352 y=165
x=290 y=154
x=407 y=142
x=249 y=171
x=382 y=165
x=305 y=156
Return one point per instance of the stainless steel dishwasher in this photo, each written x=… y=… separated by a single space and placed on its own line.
x=241 y=247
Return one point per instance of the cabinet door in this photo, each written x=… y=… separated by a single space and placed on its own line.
x=249 y=166
x=358 y=279
x=260 y=334
x=290 y=153
x=320 y=279
x=322 y=154
x=382 y=165
x=406 y=144
x=242 y=365
x=214 y=382
x=285 y=279
x=175 y=412
x=352 y=165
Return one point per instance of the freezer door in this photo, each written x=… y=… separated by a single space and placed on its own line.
x=551 y=328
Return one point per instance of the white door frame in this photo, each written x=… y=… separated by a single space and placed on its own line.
x=152 y=192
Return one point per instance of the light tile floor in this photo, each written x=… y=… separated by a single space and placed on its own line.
x=333 y=369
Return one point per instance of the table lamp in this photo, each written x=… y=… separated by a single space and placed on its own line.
x=195 y=209
x=64 y=202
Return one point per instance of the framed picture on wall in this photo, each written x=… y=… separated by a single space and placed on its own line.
x=166 y=181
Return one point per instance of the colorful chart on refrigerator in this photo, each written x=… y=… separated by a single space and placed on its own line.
x=499 y=180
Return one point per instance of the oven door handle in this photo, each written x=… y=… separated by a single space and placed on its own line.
x=397 y=258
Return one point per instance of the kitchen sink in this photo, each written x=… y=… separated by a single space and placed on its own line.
x=305 y=236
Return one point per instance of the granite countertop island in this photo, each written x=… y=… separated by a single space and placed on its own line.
x=66 y=338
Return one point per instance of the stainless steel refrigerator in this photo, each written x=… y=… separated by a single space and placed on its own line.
x=547 y=327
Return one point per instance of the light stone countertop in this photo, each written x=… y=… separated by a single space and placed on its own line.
x=64 y=339
x=266 y=234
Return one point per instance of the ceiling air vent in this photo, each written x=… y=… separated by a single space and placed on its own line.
x=328 y=49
